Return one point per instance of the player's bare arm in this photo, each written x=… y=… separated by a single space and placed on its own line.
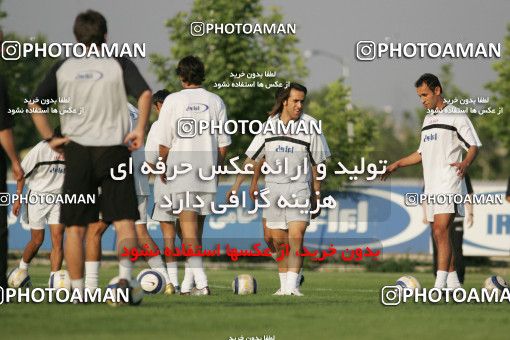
x=316 y=191
x=412 y=159
x=464 y=165
x=20 y=183
x=7 y=142
x=163 y=153
x=45 y=130
x=135 y=138
x=240 y=178
x=254 y=187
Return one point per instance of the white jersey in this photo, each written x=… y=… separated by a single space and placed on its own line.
x=138 y=156
x=151 y=156
x=443 y=136
x=44 y=169
x=297 y=149
x=180 y=112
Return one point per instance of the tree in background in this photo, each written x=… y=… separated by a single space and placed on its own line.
x=22 y=76
x=226 y=54
x=331 y=105
x=499 y=125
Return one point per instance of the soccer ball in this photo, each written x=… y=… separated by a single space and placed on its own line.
x=495 y=282
x=244 y=284
x=19 y=278
x=60 y=279
x=135 y=292
x=408 y=282
x=151 y=281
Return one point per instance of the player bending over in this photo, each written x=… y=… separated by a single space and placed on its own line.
x=44 y=176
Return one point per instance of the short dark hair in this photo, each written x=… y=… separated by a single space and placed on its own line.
x=159 y=96
x=191 y=70
x=90 y=28
x=431 y=80
x=282 y=94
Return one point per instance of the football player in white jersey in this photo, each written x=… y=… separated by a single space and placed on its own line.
x=177 y=145
x=288 y=225
x=445 y=132
x=44 y=176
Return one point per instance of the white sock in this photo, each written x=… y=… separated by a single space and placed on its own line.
x=51 y=273
x=156 y=263
x=441 y=279
x=197 y=267
x=23 y=265
x=92 y=274
x=283 y=280
x=452 y=281
x=173 y=272
x=291 y=281
x=77 y=284
x=189 y=279
x=125 y=269
x=300 y=275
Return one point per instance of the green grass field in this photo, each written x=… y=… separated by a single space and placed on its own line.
x=335 y=306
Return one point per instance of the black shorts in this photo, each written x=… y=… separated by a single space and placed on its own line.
x=87 y=168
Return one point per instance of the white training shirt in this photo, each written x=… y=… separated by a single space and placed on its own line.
x=443 y=136
x=151 y=156
x=138 y=156
x=295 y=147
x=181 y=110
x=44 y=169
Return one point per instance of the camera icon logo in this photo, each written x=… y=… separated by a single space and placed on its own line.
x=411 y=199
x=197 y=28
x=391 y=295
x=11 y=50
x=5 y=199
x=365 y=50
x=187 y=127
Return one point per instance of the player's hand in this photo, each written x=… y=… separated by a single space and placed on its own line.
x=16 y=207
x=389 y=170
x=134 y=139
x=233 y=191
x=461 y=168
x=314 y=198
x=58 y=143
x=17 y=171
x=253 y=189
x=469 y=220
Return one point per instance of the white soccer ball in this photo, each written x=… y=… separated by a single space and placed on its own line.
x=60 y=279
x=135 y=292
x=408 y=282
x=151 y=281
x=495 y=282
x=18 y=278
x=244 y=284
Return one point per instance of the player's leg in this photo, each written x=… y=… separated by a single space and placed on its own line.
x=126 y=237
x=74 y=254
x=57 y=243
x=93 y=237
x=32 y=247
x=169 y=233
x=444 y=250
x=457 y=236
x=434 y=251
x=189 y=221
x=268 y=238
x=280 y=240
x=295 y=262
x=453 y=280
